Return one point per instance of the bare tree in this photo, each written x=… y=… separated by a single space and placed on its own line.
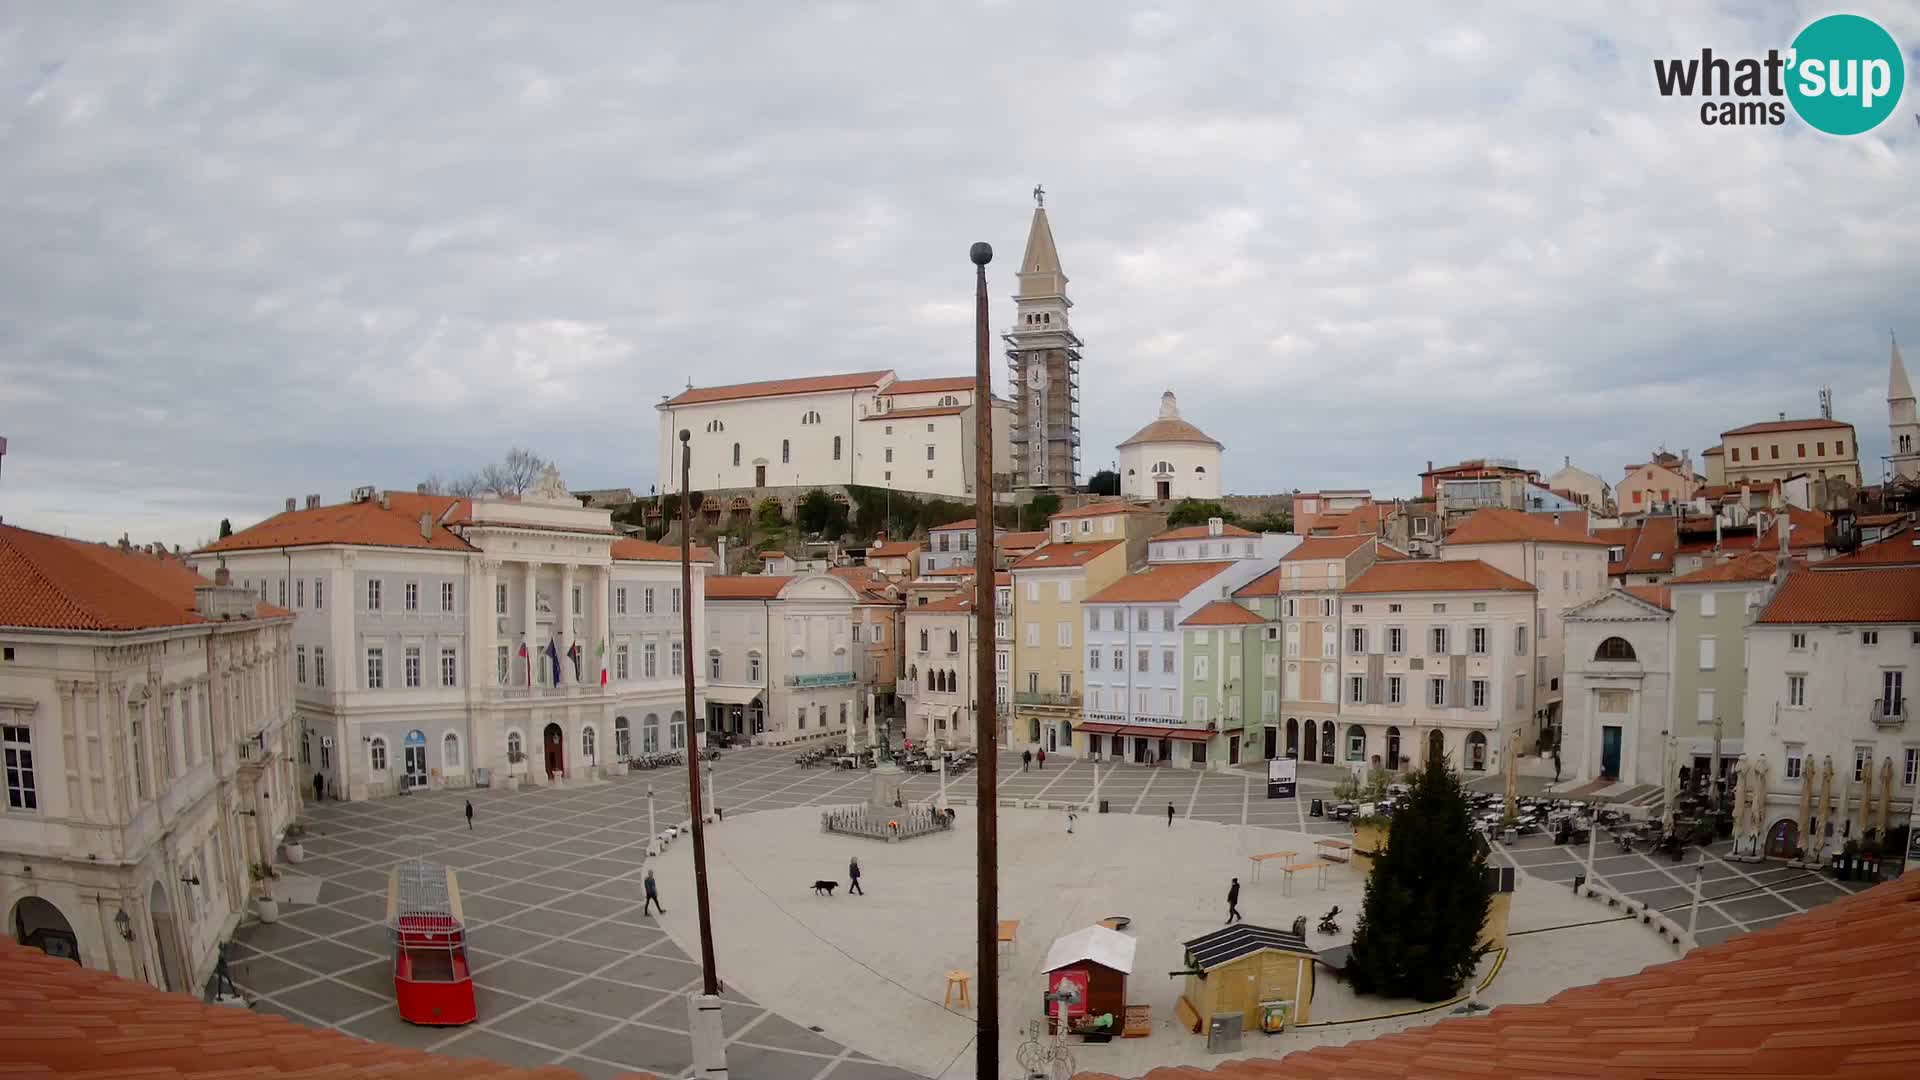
x=512 y=475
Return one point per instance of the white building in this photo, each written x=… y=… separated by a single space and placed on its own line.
x=146 y=718
x=1436 y=659
x=870 y=428
x=429 y=631
x=951 y=545
x=1829 y=659
x=942 y=670
x=780 y=647
x=1170 y=459
x=1619 y=686
x=1217 y=540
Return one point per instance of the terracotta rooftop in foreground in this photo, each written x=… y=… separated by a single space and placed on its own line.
x=1326 y=547
x=1657 y=595
x=1497 y=526
x=1900 y=549
x=52 y=583
x=1435 y=575
x=1884 y=595
x=1829 y=993
x=63 y=1020
x=896 y=549
x=952 y=385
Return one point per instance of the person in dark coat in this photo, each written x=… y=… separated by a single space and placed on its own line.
x=653 y=895
x=1169 y=815
x=853 y=876
x=1556 y=766
x=1042 y=758
x=1233 y=903
x=1026 y=760
x=469 y=815
x=319 y=787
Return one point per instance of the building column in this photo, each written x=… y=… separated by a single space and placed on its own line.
x=602 y=633
x=564 y=620
x=529 y=574
x=483 y=620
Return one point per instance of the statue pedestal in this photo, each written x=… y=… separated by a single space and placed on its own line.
x=887 y=778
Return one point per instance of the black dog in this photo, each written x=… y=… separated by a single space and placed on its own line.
x=826 y=887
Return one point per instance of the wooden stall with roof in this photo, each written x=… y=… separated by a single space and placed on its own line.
x=1264 y=975
x=1095 y=962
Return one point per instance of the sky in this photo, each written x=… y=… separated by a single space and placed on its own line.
x=252 y=251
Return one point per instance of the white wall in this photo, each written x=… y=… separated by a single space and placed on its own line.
x=1195 y=473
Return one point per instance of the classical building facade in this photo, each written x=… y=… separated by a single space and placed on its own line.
x=779 y=650
x=146 y=722
x=870 y=428
x=1619 y=685
x=1170 y=459
x=439 y=641
x=1822 y=448
x=1043 y=368
x=942 y=670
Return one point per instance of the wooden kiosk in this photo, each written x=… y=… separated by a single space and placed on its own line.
x=1095 y=961
x=1264 y=975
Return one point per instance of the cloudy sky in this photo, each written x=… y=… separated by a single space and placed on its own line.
x=257 y=250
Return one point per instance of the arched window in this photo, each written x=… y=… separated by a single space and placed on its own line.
x=836 y=448
x=736 y=454
x=450 y=751
x=715 y=426
x=753 y=665
x=587 y=743
x=515 y=748
x=786 y=451
x=377 y=754
x=677 y=731
x=1163 y=466
x=1200 y=469
x=1614 y=648
x=953 y=641
x=1356 y=743
x=1326 y=742
x=1476 y=751
x=650 y=734
x=622 y=738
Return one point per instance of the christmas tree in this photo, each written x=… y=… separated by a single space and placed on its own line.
x=1419 y=932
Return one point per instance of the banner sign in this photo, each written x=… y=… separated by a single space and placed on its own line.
x=1281 y=773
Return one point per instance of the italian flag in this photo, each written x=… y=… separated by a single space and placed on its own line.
x=601 y=652
x=523 y=656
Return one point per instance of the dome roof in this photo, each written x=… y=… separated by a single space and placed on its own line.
x=1169 y=428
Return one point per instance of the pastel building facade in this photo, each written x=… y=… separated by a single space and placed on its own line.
x=780 y=647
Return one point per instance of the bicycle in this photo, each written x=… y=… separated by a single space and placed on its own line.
x=1044 y=1058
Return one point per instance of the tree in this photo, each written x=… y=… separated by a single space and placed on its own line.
x=821 y=514
x=226 y=528
x=1419 y=931
x=1104 y=482
x=1034 y=515
x=769 y=514
x=1195 y=512
x=1278 y=522
x=512 y=475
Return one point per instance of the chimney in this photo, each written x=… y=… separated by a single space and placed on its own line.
x=1785 y=521
x=385 y=503
x=420 y=489
x=1215 y=526
x=313 y=502
x=720 y=553
x=1567 y=460
x=290 y=504
x=124 y=545
x=221 y=575
x=426 y=525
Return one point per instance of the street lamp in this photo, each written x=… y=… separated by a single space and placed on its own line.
x=123 y=924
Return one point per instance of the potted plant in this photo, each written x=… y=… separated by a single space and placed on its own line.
x=293 y=847
x=265 y=906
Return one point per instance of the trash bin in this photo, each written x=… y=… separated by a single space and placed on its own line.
x=1318 y=809
x=1103 y=806
x=1579 y=880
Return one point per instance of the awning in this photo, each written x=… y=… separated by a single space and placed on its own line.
x=734 y=695
x=1148 y=731
x=1100 y=729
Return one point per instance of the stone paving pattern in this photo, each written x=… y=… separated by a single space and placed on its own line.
x=568 y=971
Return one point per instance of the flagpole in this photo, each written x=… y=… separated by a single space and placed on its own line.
x=986 y=730
x=710 y=980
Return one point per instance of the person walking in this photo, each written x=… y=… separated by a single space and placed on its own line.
x=319 y=788
x=1556 y=765
x=469 y=815
x=653 y=895
x=1169 y=815
x=1042 y=758
x=1233 y=903
x=853 y=876
x=1026 y=760
x=1070 y=817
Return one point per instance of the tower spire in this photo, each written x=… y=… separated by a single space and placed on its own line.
x=1898 y=388
x=1903 y=426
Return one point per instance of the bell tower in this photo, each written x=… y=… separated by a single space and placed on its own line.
x=1043 y=367
x=1903 y=427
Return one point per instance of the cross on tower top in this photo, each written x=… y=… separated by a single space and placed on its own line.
x=1039 y=196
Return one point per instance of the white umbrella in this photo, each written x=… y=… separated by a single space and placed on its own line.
x=1742 y=802
x=1866 y=800
x=1886 y=794
x=1760 y=778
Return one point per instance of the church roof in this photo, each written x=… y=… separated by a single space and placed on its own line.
x=812 y=384
x=1169 y=428
x=1898 y=388
x=1040 y=273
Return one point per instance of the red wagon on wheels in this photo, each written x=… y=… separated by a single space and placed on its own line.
x=431 y=980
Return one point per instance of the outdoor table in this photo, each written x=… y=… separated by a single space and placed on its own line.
x=1293 y=868
x=1332 y=849
x=1256 y=860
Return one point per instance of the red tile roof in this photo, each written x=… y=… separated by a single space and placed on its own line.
x=1883 y=595
x=64 y=1020
x=1267 y=584
x=958 y=604
x=747 y=586
x=1900 y=549
x=1021 y=541
x=952 y=526
x=637 y=550
x=1055 y=556
x=1752 y=566
x=1807 y=529
x=52 y=583
x=1389 y=553
x=1653 y=550
x=1435 y=575
x=814 y=384
x=1221 y=613
x=1361 y=520
x=896 y=549
x=1103 y=508
x=1202 y=532
x=361 y=524
x=949 y=572
x=953 y=385
x=1828 y=993
x=1787 y=425
x=1159 y=583
x=1497 y=526
x=1326 y=547
x=1712 y=451
x=910 y=414
x=1657 y=595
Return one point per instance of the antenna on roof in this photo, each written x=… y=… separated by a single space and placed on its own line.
x=1826 y=403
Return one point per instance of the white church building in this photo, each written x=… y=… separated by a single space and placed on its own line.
x=1170 y=459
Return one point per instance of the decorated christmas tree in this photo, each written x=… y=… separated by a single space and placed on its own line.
x=1419 y=931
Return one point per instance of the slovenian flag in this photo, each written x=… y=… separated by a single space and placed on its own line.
x=529 y=660
x=601 y=652
x=573 y=654
x=553 y=657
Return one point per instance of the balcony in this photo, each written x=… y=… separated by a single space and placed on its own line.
x=1047 y=698
x=252 y=753
x=832 y=678
x=1888 y=715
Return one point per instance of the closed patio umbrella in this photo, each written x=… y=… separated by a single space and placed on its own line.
x=1866 y=799
x=1825 y=817
x=1805 y=820
x=1886 y=793
x=1761 y=771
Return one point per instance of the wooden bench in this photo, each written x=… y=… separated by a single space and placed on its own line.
x=1336 y=850
x=1257 y=860
x=1294 y=868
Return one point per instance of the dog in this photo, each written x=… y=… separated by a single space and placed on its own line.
x=825 y=888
